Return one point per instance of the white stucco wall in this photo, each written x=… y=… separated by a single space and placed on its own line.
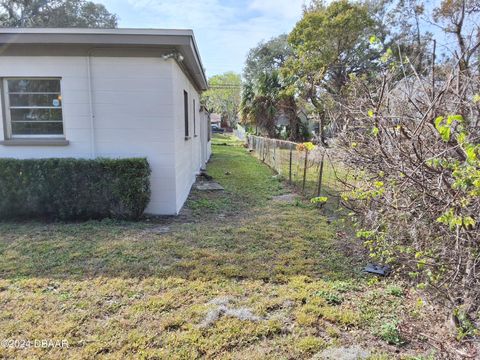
x=133 y=104
x=138 y=112
x=187 y=151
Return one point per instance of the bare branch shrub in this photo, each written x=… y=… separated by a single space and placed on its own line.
x=414 y=142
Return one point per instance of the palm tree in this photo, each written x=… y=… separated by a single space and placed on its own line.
x=263 y=100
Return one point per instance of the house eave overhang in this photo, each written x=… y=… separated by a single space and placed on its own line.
x=21 y=41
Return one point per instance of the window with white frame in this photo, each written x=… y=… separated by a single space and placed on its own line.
x=33 y=107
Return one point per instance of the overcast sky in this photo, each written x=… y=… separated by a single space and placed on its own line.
x=224 y=29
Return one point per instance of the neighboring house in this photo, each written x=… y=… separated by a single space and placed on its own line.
x=87 y=93
x=309 y=120
x=216 y=119
x=283 y=120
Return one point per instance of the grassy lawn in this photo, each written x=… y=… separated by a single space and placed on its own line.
x=238 y=275
x=276 y=154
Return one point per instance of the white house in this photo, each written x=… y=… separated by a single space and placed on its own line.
x=87 y=93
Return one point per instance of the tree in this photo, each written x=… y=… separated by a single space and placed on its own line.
x=407 y=36
x=330 y=43
x=266 y=57
x=413 y=147
x=223 y=97
x=264 y=95
x=456 y=18
x=261 y=102
x=55 y=13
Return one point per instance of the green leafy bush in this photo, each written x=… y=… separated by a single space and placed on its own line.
x=74 y=189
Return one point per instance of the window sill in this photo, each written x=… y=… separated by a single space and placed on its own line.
x=187 y=138
x=35 y=142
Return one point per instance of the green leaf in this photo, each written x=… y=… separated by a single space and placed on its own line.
x=319 y=200
x=461 y=138
x=471 y=153
x=452 y=118
x=445 y=133
x=309 y=146
x=444 y=130
x=438 y=121
x=387 y=55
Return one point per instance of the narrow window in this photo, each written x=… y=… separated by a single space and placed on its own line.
x=209 y=124
x=194 y=118
x=33 y=108
x=185 y=109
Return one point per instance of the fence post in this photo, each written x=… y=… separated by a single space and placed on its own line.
x=274 y=156
x=263 y=150
x=305 y=170
x=290 y=166
x=320 y=177
x=267 y=151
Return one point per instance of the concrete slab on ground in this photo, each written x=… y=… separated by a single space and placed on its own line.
x=286 y=198
x=343 y=353
x=208 y=186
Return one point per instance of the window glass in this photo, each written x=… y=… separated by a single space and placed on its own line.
x=34 y=85
x=185 y=109
x=35 y=107
x=43 y=128
x=35 y=100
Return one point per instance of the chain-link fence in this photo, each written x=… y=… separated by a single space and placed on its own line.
x=314 y=172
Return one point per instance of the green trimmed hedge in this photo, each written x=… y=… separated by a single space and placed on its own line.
x=74 y=189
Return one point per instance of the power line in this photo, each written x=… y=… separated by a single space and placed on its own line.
x=225 y=86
